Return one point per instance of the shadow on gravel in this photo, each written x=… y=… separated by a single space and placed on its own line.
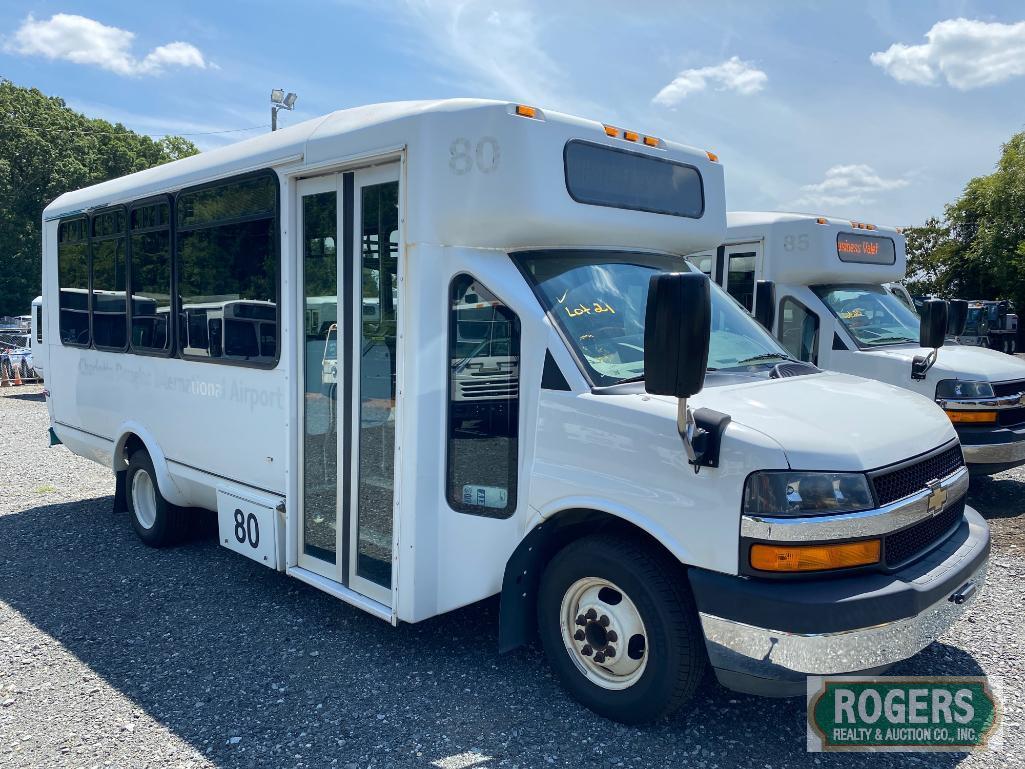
x=36 y=397
x=997 y=497
x=215 y=646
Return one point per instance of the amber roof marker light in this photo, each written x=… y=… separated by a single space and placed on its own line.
x=712 y=156
x=525 y=111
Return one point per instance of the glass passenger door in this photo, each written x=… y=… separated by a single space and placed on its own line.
x=740 y=270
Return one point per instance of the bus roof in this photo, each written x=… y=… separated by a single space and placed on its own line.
x=810 y=249
x=477 y=174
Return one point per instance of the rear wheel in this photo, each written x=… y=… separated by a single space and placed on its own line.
x=156 y=521
x=619 y=627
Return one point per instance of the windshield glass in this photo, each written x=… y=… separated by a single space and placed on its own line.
x=871 y=314
x=599 y=298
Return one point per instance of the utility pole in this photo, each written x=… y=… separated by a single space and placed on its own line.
x=279 y=100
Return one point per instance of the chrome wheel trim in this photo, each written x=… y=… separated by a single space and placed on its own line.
x=603 y=633
x=144 y=499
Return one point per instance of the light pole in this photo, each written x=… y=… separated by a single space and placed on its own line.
x=279 y=100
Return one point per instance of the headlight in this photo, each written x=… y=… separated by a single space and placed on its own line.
x=957 y=388
x=785 y=492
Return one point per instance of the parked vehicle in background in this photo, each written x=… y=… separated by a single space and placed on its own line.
x=530 y=394
x=825 y=299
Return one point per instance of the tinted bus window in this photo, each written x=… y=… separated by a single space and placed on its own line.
x=484 y=394
x=73 y=278
x=228 y=265
x=151 y=277
x=109 y=287
x=607 y=176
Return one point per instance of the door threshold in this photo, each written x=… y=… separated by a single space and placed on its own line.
x=340 y=591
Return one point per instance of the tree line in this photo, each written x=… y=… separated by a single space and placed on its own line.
x=46 y=149
x=977 y=251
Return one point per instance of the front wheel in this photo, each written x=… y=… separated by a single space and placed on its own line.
x=619 y=627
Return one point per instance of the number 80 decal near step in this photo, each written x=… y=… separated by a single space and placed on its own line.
x=248 y=527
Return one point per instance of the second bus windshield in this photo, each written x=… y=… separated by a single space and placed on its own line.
x=599 y=298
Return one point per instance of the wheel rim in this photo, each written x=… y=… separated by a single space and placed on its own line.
x=603 y=633
x=144 y=499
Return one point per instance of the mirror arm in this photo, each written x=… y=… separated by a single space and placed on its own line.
x=921 y=364
x=687 y=429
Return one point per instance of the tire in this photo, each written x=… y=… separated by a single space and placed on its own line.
x=156 y=521
x=654 y=676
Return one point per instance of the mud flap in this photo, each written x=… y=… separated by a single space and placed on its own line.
x=120 y=492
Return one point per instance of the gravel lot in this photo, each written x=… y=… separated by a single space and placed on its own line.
x=113 y=654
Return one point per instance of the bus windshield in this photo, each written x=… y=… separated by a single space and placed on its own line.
x=872 y=315
x=599 y=298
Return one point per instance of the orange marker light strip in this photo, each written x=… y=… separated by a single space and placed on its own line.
x=822 y=220
x=631 y=136
x=611 y=130
x=972 y=417
x=524 y=111
x=651 y=141
x=712 y=156
x=790 y=558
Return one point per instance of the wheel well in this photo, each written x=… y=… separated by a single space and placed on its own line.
x=132 y=444
x=517 y=612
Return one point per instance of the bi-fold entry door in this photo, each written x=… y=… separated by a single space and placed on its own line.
x=740 y=268
x=349 y=251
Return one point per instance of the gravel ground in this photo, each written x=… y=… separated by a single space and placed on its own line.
x=116 y=655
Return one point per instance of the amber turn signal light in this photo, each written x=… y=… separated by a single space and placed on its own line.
x=524 y=111
x=790 y=558
x=973 y=417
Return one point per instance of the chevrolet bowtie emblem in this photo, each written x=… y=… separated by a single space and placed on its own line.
x=937 y=497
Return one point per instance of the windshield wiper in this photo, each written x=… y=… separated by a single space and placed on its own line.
x=638 y=378
x=765 y=356
x=886 y=339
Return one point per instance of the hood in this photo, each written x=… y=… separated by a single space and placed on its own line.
x=956 y=361
x=833 y=421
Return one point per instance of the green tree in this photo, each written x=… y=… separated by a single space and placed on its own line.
x=47 y=149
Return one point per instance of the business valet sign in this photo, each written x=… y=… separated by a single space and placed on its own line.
x=883 y=713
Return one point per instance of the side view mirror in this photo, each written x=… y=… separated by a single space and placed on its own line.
x=677 y=328
x=957 y=317
x=765 y=303
x=932 y=333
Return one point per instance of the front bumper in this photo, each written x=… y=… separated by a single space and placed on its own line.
x=992 y=451
x=765 y=636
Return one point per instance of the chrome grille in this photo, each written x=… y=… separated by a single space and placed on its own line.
x=910 y=479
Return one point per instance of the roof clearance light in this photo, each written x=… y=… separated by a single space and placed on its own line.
x=822 y=220
x=870 y=226
x=651 y=141
x=524 y=111
x=631 y=136
x=610 y=130
x=712 y=156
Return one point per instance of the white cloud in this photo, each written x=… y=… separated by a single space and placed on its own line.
x=86 y=41
x=966 y=53
x=734 y=74
x=855 y=184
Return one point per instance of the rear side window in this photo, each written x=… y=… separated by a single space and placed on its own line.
x=228 y=264
x=110 y=308
x=150 y=226
x=73 y=279
x=484 y=398
x=607 y=176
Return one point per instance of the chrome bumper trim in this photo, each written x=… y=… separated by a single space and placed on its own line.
x=996 y=403
x=772 y=654
x=867 y=523
x=994 y=453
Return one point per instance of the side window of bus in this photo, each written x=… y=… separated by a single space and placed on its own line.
x=799 y=330
x=73 y=279
x=228 y=265
x=484 y=394
x=740 y=282
x=39 y=324
x=109 y=289
x=150 y=227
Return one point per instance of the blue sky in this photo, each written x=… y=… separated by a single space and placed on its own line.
x=880 y=112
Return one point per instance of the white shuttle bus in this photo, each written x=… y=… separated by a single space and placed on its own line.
x=639 y=474
x=825 y=295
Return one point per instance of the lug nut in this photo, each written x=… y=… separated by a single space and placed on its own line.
x=580 y=620
x=579 y=635
x=604 y=621
x=591 y=614
x=610 y=651
x=612 y=636
x=587 y=650
x=599 y=657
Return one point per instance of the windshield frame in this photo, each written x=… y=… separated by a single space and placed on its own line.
x=630 y=256
x=820 y=289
